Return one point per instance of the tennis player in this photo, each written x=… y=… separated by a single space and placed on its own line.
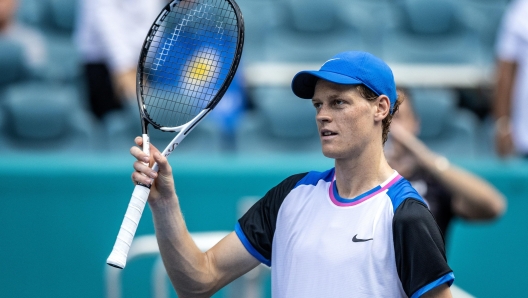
x=356 y=230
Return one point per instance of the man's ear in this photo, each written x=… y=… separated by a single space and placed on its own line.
x=382 y=107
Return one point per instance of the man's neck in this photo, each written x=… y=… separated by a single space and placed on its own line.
x=357 y=175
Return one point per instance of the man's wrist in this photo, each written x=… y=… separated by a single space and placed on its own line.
x=441 y=164
x=164 y=203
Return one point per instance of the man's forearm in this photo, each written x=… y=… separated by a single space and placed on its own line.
x=504 y=89
x=477 y=199
x=189 y=269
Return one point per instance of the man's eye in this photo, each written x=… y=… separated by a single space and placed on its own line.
x=316 y=105
x=338 y=102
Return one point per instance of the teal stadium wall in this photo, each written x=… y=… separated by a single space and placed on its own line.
x=59 y=217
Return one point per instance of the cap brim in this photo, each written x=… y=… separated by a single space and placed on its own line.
x=303 y=83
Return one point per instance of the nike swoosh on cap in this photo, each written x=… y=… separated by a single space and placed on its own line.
x=331 y=60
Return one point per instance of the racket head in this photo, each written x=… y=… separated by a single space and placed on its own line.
x=188 y=60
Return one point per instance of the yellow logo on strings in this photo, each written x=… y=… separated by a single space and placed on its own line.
x=201 y=69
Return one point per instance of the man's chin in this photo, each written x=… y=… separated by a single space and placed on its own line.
x=331 y=153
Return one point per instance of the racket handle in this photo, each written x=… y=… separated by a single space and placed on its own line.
x=146 y=146
x=119 y=253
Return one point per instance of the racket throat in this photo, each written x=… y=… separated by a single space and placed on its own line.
x=195 y=121
x=183 y=131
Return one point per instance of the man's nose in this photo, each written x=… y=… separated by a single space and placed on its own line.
x=323 y=115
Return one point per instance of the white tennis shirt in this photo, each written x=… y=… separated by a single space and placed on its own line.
x=112 y=31
x=383 y=243
x=512 y=46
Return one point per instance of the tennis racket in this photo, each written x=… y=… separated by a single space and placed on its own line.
x=187 y=62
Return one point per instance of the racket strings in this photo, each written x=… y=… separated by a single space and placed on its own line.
x=188 y=60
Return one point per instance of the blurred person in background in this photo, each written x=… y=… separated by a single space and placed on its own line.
x=30 y=39
x=511 y=90
x=109 y=35
x=449 y=190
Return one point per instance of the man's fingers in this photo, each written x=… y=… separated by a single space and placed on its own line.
x=139 y=142
x=163 y=164
x=139 y=154
x=153 y=149
x=140 y=178
x=143 y=174
x=144 y=169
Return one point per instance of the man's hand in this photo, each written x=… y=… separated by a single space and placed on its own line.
x=162 y=182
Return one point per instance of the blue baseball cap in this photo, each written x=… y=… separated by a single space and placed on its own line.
x=349 y=68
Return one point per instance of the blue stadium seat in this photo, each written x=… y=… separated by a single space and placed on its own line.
x=281 y=122
x=31 y=12
x=64 y=64
x=430 y=31
x=44 y=118
x=483 y=17
x=63 y=14
x=444 y=127
x=360 y=14
x=56 y=20
x=309 y=31
x=51 y=16
x=288 y=116
x=259 y=17
x=12 y=63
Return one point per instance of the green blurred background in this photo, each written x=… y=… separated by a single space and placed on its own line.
x=66 y=174
x=60 y=216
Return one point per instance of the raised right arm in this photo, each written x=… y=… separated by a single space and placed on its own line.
x=192 y=272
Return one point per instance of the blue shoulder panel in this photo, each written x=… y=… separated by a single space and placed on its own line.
x=249 y=247
x=312 y=178
x=401 y=191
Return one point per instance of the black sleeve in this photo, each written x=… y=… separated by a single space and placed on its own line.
x=258 y=224
x=419 y=248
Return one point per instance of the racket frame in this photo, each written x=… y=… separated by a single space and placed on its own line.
x=119 y=253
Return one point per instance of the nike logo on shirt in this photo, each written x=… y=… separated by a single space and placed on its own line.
x=355 y=239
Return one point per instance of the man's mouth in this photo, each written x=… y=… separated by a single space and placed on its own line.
x=326 y=133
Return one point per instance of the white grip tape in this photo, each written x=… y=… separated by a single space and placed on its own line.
x=129 y=226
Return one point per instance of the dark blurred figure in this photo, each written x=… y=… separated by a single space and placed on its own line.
x=109 y=36
x=449 y=190
x=511 y=93
x=30 y=39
